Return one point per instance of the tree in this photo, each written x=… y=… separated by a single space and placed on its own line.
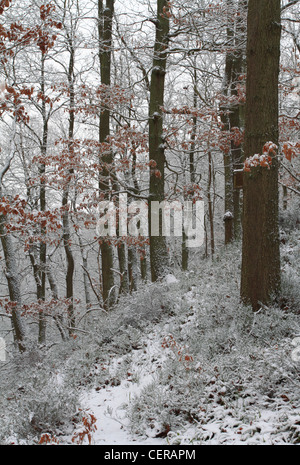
x=231 y=113
x=70 y=46
x=260 y=275
x=12 y=274
x=105 y=16
x=158 y=246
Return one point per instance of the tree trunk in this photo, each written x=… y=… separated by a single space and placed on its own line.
x=124 y=285
x=143 y=264
x=13 y=283
x=260 y=277
x=158 y=245
x=57 y=317
x=192 y=173
x=211 y=203
x=42 y=174
x=65 y=197
x=105 y=16
x=237 y=111
x=231 y=117
x=132 y=268
x=225 y=116
x=85 y=274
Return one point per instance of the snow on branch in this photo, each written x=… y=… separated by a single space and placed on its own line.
x=264 y=160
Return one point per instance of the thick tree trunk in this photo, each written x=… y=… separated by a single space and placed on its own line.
x=105 y=17
x=260 y=278
x=158 y=245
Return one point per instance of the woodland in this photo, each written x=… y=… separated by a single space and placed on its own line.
x=142 y=338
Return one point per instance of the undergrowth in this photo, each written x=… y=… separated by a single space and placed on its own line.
x=221 y=373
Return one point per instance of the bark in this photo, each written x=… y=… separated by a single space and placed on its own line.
x=260 y=277
x=12 y=274
x=192 y=174
x=105 y=17
x=57 y=318
x=40 y=293
x=121 y=251
x=237 y=111
x=70 y=265
x=142 y=247
x=132 y=268
x=211 y=202
x=184 y=252
x=284 y=198
x=124 y=284
x=65 y=197
x=143 y=265
x=13 y=282
x=158 y=245
x=225 y=116
x=232 y=116
x=42 y=172
x=85 y=275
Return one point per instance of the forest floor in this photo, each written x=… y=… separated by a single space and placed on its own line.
x=251 y=419
x=178 y=362
x=212 y=372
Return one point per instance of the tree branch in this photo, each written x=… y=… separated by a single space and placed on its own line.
x=290 y=188
x=289 y=4
x=10 y=156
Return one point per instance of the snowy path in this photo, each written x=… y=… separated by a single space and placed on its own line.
x=108 y=403
x=107 y=406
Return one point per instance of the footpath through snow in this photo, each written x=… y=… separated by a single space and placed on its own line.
x=108 y=403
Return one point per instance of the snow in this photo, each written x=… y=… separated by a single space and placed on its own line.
x=198 y=371
x=109 y=404
x=112 y=424
x=228 y=216
x=252 y=419
x=171 y=279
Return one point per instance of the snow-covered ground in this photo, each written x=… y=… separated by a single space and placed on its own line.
x=108 y=403
x=177 y=363
x=252 y=419
x=112 y=424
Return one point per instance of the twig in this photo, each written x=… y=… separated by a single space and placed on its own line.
x=290 y=188
x=290 y=172
x=92 y=285
x=289 y=4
